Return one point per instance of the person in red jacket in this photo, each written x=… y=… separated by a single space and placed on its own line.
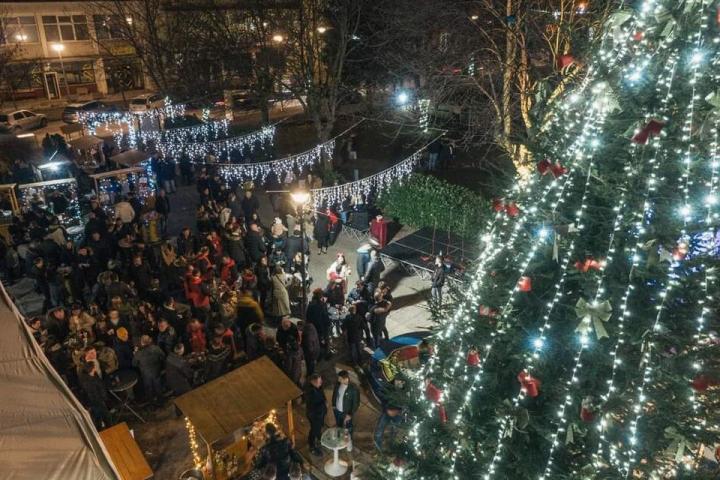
x=228 y=271
x=196 y=336
x=198 y=294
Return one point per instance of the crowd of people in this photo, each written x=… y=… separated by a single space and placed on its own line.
x=127 y=300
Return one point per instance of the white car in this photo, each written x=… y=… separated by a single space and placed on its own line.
x=146 y=102
x=21 y=120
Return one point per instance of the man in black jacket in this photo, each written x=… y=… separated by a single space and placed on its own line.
x=95 y=394
x=178 y=373
x=345 y=402
x=277 y=451
x=438 y=280
x=316 y=410
x=352 y=326
x=254 y=244
x=162 y=207
x=310 y=345
x=317 y=314
x=150 y=360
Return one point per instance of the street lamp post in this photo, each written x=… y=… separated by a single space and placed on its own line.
x=59 y=47
x=300 y=198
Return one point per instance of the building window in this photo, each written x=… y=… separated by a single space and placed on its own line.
x=18 y=30
x=108 y=27
x=64 y=28
x=76 y=73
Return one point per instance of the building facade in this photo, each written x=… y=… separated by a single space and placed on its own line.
x=59 y=49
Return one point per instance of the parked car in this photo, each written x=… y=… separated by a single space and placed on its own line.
x=21 y=120
x=71 y=114
x=182 y=121
x=146 y=102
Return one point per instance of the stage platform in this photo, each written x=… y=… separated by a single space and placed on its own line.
x=416 y=252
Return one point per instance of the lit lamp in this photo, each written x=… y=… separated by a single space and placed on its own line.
x=301 y=198
x=21 y=37
x=278 y=38
x=322 y=30
x=59 y=47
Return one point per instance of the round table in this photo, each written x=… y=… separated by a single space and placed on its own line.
x=335 y=439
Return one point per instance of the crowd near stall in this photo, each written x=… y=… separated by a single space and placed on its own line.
x=132 y=315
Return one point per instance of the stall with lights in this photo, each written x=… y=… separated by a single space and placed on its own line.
x=115 y=183
x=60 y=197
x=88 y=152
x=56 y=169
x=226 y=417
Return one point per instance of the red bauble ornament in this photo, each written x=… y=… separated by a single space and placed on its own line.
x=680 y=251
x=498 y=204
x=589 y=264
x=530 y=384
x=486 y=311
x=545 y=167
x=512 y=209
x=702 y=382
x=434 y=394
x=524 y=284
x=473 y=358
x=638 y=36
x=565 y=61
x=651 y=129
x=587 y=410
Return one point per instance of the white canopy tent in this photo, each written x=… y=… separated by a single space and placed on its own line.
x=44 y=431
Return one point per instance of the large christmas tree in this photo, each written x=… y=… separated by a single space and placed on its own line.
x=585 y=344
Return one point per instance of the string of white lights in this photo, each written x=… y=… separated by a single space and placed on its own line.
x=376 y=182
x=283 y=166
x=696 y=62
x=224 y=147
x=505 y=423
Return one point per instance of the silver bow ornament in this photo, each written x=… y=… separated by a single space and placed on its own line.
x=592 y=315
x=678 y=444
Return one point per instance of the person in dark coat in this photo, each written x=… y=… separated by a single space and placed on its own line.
x=249 y=204
x=378 y=319
x=235 y=247
x=278 y=452
x=345 y=402
x=218 y=358
x=438 y=280
x=150 y=360
x=352 y=326
x=286 y=331
x=316 y=410
x=254 y=342
x=310 y=343
x=317 y=315
x=254 y=244
x=292 y=361
x=178 y=373
x=373 y=271
x=322 y=231
x=293 y=244
x=166 y=337
x=264 y=281
x=187 y=244
x=96 y=395
x=162 y=207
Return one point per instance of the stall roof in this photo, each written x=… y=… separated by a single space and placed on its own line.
x=86 y=142
x=49 y=183
x=237 y=399
x=130 y=158
x=44 y=431
x=114 y=173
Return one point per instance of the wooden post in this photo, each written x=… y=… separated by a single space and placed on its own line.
x=291 y=423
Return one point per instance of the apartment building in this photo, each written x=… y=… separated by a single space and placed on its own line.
x=59 y=49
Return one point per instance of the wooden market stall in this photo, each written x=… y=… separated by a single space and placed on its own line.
x=227 y=413
x=60 y=195
x=88 y=152
x=130 y=158
x=117 y=182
